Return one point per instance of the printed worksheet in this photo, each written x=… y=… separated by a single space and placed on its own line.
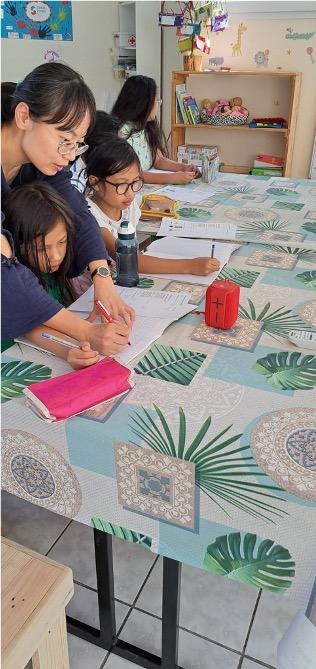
x=179 y=248
x=196 y=229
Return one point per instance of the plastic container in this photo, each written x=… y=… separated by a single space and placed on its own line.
x=126 y=251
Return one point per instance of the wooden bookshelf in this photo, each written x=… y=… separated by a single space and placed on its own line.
x=262 y=88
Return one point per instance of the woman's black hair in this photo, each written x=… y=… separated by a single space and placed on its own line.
x=31 y=212
x=54 y=93
x=134 y=104
x=105 y=124
x=113 y=156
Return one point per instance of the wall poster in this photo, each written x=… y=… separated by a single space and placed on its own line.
x=37 y=20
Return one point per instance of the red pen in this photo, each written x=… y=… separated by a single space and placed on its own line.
x=105 y=313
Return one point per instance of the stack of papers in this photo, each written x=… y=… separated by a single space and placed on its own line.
x=178 y=248
x=155 y=310
x=196 y=229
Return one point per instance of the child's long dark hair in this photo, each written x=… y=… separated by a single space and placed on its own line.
x=134 y=105
x=54 y=92
x=113 y=156
x=31 y=212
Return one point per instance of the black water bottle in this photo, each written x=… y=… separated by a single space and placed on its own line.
x=126 y=252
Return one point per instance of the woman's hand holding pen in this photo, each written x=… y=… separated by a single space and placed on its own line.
x=105 y=291
x=108 y=338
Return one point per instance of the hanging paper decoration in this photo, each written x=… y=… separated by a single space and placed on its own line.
x=189 y=29
x=185 y=45
x=170 y=18
x=310 y=51
x=201 y=44
x=219 y=22
x=204 y=13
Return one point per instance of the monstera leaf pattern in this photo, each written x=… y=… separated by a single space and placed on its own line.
x=310 y=226
x=145 y=282
x=194 y=214
x=260 y=563
x=121 y=532
x=17 y=375
x=225 y=472
x=169 y=363
x=243 y=277
x=288 y=371
x=308 y=278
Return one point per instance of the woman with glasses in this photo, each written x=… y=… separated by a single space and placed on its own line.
x=45 y=119
x=113 y=179
x=136 y=109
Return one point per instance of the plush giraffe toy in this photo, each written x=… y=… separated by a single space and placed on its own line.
x=237 y=46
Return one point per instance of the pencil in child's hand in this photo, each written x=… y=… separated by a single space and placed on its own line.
x=213 y=249
x=58 y=340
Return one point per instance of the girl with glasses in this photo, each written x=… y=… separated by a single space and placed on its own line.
x=45 y=119
x=136 y=109
x=113 y=179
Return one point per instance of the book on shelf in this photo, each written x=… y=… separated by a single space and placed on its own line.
x=180 y=94
x=267 y=171
x=263 y=160
x=187 y=109
x=192 y=109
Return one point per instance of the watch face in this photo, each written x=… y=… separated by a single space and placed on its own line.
x=103 y=271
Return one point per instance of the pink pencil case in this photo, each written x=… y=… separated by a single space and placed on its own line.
x=65 y=396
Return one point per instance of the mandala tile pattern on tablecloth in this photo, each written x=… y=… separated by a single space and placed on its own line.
x=156 y=485
x=197 y=292
x=102 y=412
x=266 y=258
x=243 y=335
x=279 y=236
x=250 y=214
x=308 y=313
x=284 y=445
x=37 y=472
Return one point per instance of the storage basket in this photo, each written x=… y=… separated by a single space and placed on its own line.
x=219 y=119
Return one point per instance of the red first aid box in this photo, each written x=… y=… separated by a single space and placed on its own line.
x=221 y=304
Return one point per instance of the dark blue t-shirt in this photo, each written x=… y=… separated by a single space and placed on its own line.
x=25 y=303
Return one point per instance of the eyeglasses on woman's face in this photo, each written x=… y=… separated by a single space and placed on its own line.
x=122 y=189
x=66 y=146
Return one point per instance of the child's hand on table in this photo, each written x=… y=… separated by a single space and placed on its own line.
x=82 y=357
x=184 y=176
x=191 y=168
x=204 y=266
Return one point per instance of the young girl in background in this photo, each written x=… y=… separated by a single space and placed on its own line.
x=136 y=109
x=42 y=228
x=113 y=179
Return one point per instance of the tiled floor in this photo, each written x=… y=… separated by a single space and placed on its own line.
x=223 y=624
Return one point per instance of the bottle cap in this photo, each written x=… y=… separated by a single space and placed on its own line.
x=126 y=229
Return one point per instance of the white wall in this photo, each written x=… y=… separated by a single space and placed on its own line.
x=261 y=34
x=93 y=26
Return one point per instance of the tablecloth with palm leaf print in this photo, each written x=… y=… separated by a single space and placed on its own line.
x=211 y=458
x=263 y=209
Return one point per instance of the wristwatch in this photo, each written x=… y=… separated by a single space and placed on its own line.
x=101 y=271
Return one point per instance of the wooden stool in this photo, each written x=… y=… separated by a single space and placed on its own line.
x=35 y=591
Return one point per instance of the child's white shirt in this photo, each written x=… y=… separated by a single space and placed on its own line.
x=131 y=214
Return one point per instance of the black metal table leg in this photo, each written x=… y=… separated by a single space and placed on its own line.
x=106 y=638
x=170 y=613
